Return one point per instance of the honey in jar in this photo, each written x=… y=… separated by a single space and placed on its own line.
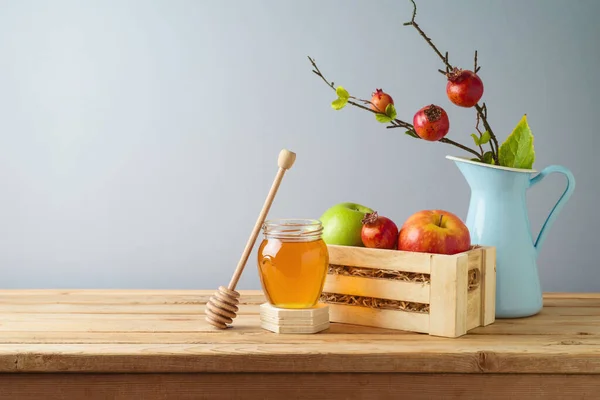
x=292 y=262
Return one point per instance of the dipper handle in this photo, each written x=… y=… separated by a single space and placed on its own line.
x=222 y=306
x=285 y=161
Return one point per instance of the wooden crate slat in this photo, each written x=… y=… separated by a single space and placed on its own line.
x=488 y=294
x=475 y=257
x=380 y=288
x=474 y=296
x=380 y=259
x=474 y=311
x=448 y=302
x=389 y=319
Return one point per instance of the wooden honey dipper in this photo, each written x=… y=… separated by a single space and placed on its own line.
x=222 y=307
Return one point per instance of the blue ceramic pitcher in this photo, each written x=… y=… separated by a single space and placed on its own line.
x=498 y=217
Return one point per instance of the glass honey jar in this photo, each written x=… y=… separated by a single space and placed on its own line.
x=292 y=262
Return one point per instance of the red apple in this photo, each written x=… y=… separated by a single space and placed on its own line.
x=379 y=232
x=434 y=231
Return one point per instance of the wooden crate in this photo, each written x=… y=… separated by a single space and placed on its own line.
x=441 y=295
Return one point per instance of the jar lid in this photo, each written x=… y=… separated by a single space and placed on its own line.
x=293 y=229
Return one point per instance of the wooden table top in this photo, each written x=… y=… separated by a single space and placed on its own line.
x=165 y=331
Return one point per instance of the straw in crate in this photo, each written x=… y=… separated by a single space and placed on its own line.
x=441 y=295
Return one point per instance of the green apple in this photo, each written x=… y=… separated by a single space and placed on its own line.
x=342 y=224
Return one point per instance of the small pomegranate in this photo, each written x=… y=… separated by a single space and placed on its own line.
x=464 y=87
x=380 y=100
x=431 y=123
x=379 y=232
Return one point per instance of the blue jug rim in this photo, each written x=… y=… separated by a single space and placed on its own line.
x=500 y=167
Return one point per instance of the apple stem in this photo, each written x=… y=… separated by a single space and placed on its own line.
x=440 y=222
x=370 y=218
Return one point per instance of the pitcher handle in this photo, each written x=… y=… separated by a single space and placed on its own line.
x=559 y=204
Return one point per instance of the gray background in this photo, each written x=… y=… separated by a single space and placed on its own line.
x=138 y=139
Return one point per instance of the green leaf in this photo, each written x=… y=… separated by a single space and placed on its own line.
x=488 y=157
x=390 y=111
x=384 y=119
x=412 y=134
x=517 y=151
x=338 y=104
x=485 y=138
x=481 y=140
x=342 y=93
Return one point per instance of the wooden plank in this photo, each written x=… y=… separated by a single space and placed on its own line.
x=575 y=302
x=432 y=357
x=475 y=302
x=158 y=294
x=488 y=283
x=247 y=324
x=474 y=310
x=121 y=292
x=195 y=309
x=380 y=288
x=244 y=331
x=351 y=334
x=305 y=386
x=543 y=319
x=558 y=320
x=129 y=297
x=448 y=303
x=114 y=337
x=117 y=322
x=389 y=319
x=550 y=320
x=379 y=259
x=475 y=258
x=99 y=308
x=573 y=311
x=572 y=295
x=540 y=328
x=195 y=297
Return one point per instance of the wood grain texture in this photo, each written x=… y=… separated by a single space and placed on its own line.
x=278 y=386
x=388 y=319
x=380 y=288
x=475 y=306
x=448 y=303
x=153 y=331
x=379 y=259
x=488 y=287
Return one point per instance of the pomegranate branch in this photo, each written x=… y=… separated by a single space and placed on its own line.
x=450 y=68
x=482 y=112
x=480 y=133
x=465 y=148
x=412 y=22
x=395 y=123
